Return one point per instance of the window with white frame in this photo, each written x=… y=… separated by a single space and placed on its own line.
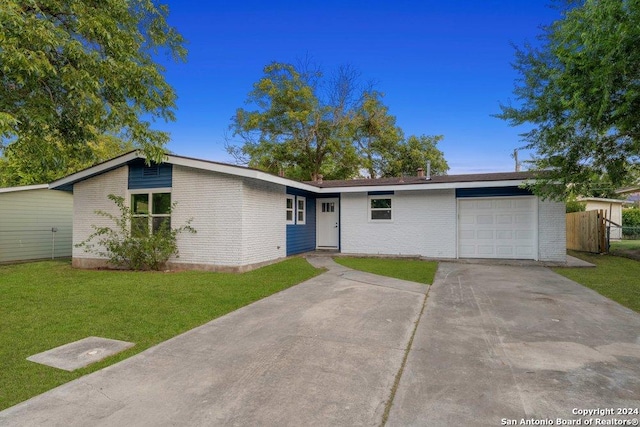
x=301 y=210
x=151 y=211
x=380 y=208
x=290 y=208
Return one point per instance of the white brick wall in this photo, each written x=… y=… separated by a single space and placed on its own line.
x=91 y=195
x=241 y=221
x=552 y=241
x=214 y=201
x=424 y=223
x=264 y=220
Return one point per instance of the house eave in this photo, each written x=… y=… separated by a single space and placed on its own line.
x=425 y=186
x=94 y=170
x=24 y=188
x=238 y=171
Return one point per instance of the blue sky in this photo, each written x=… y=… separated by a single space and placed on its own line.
x=444 y=66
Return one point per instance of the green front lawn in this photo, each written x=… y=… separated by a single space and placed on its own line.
x=405 y=269
x=614 y=277
x=626 y=248
x=47 y=304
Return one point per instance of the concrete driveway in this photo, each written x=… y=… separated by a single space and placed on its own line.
x=325 y=352
x=494 y=345
x=498 y=344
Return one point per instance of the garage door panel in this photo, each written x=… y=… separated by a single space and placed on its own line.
x=504 y=219
x=504 y=227
x=503 y=204
x=524 y=218
x=524 y=251
x=467 y=251
x=484 y=219
x=467 y=219
x=504 y=251
x=524 y=234
x=504 y=234
x=486 y=251
x=524 y=203
x=484 y=234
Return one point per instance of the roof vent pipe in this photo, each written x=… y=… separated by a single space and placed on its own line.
x=428 y=177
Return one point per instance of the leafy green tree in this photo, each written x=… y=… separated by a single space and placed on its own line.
x=581 y=92
x=35 y=162
x=306 y=127
x=631 y=222
x=375 y=135
x=414 y=153
x=73 y=70
x=293 y=129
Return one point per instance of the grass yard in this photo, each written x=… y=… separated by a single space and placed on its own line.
x=614 y=277
x=48 y=304
x=405 y=269
x=626 y=248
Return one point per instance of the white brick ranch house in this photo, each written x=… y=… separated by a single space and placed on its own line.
x=246 y=218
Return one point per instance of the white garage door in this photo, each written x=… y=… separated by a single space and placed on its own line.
x=502 y=227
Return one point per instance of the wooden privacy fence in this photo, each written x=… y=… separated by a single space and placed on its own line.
x=587 y=231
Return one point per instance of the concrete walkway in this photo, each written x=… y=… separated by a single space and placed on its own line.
x=325 y=352
x=502 y=343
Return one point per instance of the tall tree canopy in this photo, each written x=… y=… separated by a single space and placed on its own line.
x=581 y=92
x=74 y=72
x=305 y=126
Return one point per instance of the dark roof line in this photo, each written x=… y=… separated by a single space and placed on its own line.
x=435 y=179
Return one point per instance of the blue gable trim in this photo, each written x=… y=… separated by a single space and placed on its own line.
x=302 y=237
x=155 y=176
x=492 y=192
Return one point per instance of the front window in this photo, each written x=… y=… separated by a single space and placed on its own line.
x=151 y=211
x=290 y=210
x=380 y=208
x=301 y=210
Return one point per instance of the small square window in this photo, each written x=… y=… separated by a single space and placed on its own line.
x=380 y=208
x=161 y=203
x=140 y=204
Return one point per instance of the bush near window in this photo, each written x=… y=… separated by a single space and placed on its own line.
x=137 y=251
x=631 y=221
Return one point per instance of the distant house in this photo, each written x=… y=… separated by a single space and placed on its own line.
x=246 y=218
x=612 y=209
x=35 y=223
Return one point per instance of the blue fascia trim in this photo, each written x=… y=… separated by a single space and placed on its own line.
x=381 y=193
x=492 y=192
x=297 y=192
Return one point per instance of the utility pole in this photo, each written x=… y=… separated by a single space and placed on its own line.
x=515 y=156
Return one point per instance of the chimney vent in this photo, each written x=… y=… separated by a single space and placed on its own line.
x=428 y=177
